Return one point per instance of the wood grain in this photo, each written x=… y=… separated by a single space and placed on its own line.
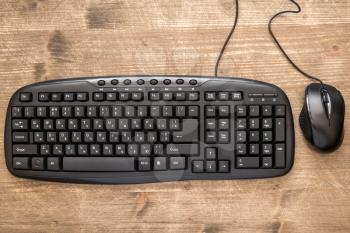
x=48 y=39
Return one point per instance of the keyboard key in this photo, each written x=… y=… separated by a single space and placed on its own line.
x=267 y=149
x=167 y=96
x=254 y=149
x=210 y=124
x=180 y=96
x=210 y=111
x=193 y=96
x=182 y=149
x=25 y=97
x=210 y=137
x=112 y=96
x=241 y=136
x=69 y=97
x=267 y=162
x=82 y=97
x=267 y=110
x=25 y=149
x=99 y=96
x=280 y=110
x=224 y=124
x=56 y=97
x=210 y=96
x=224 y=111
x=224 y=96
x=210 y=153
x=177 y=163
x=45 y=149
x=44 y=97
x=280 y=129
x=53 y=164
x=144 y=164
x=241 y=149
x=29 y=112
x=38 y=163
x=124 y=96
x=280 y=156
x=210 y=166
x=267 y=136
x=223 y=137
x=241 y=111
x=241 y=124
x=160 y=164
x=267 y=123
x=21 y=163
x=254 y=123
x=197 y=166
x=180 y=111
x=254 y=136
x=155 y=111
x=21 y=137
x=193 y=111
x=96 y=164
x=17 y=112
x=254 y=111
x=247 y=162
x=237 y=96
x=224 y=166
x=137 y=96
x=154 y=96
x=20 y=124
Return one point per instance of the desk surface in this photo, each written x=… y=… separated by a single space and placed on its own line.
x=42 y=40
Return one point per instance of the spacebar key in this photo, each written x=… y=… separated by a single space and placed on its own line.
x=98 y=164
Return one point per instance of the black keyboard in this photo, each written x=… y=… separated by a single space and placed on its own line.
x=149 y=129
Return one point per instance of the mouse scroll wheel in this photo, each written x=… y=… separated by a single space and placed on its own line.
x=325 y=97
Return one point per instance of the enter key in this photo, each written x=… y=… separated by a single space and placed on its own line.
x=189 y=133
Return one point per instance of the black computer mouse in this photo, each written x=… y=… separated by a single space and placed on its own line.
x=322 y=117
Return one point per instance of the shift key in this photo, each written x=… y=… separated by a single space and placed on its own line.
x=25 y=149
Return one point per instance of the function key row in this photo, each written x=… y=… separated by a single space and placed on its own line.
x=62 y=97
x=177 y=96
x=223 y=96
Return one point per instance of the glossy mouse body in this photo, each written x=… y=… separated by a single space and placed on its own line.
x=322 y=117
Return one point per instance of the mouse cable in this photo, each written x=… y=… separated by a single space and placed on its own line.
x=280 y=46
x=272 y=35
x=227 y=40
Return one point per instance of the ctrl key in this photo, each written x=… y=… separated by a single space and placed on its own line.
x=21 y=163
x=247 y=162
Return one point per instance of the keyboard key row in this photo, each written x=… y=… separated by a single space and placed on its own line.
x=105 y=111
x=200 y=166
x=174 y=96
x=172 y=150
x=102 y=164
x=257 y=111
x=223 y=96
x=63 y=97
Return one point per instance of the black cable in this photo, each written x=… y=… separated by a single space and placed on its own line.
x=272 y=35
x=227 y=41
x=280 y=46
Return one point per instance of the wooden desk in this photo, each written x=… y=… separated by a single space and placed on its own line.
x=42 y=40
